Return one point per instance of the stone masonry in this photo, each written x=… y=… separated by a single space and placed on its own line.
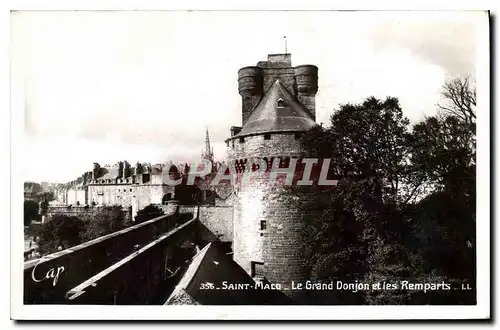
x=278 y=104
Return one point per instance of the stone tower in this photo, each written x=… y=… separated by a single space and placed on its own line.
x=278 y=103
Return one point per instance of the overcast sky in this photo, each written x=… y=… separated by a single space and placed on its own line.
x=142 y=86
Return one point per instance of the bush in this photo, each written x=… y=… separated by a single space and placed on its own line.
x=62 y=231
x=30 y=212
x=103 y=221
x=66 y=231
x=149 y=212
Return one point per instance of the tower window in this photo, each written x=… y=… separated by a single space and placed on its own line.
x=256 y=268
x=242 y=139
x=298 y=136
x=267 y=136
x=263 y=225
x=281 y=103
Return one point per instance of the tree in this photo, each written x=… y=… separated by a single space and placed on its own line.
x=446 y=232
x=443 y=147
x=64 y=231
x=379 y=224
x=369 y=140
x=30 y=212
x=61 y=232
x=443 y=153
x=151 y=211
x=43 y=206
x=333 y=242
x=360 y=235
x=103 y=221
x=460 y=99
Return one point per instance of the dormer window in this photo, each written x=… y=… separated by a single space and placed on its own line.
x=281 y=103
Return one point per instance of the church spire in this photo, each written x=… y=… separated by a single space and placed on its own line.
x=208 y=153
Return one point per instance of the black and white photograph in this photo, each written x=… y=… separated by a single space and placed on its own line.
x=302 y=164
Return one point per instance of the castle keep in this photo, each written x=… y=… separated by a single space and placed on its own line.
x=249 y=235
x=278 y=104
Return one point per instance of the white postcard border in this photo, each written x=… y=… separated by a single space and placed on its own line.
x=67 y=312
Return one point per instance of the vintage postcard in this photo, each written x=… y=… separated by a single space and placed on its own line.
x=250 y=165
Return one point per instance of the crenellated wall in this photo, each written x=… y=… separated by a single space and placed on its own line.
x=254 y=81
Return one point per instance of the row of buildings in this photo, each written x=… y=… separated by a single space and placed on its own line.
x=266 y=223
x=126 y=185
x=34 y=191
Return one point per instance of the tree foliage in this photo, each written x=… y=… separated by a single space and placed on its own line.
x=443 y=152
x=459 y=99
x=61 y=232
x=375 y=226
x=44 y=205
x=367 y=140
x=105 y=220
x=30 y=212
x=151 y=211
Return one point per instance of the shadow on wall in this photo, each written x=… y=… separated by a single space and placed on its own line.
x=189 y=195
x=206 y=236
x=213 y=268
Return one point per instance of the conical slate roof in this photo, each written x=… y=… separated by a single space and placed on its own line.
x=277 y=111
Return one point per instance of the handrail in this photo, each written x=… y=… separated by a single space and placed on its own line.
x=83 y=245
x=80 y=289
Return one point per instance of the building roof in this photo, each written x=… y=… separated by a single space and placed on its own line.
x=268 y=117
x=111 y=173
x=156 y=170
x=212 y=266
